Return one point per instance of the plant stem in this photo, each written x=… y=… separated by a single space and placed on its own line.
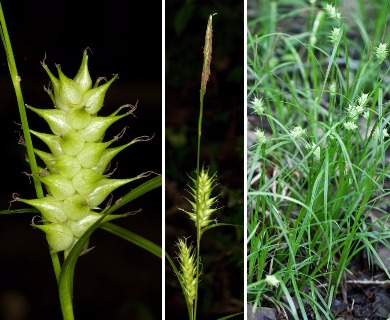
x=23 y=118
x=24 y=122
x=198 y=227
x=205 y=77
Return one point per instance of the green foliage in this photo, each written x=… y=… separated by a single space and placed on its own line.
x=316 y=154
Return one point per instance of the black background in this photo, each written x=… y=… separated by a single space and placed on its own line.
x=117 y=280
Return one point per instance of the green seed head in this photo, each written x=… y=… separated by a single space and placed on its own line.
x=187 y=275
x=202 y=203
x=76 y=158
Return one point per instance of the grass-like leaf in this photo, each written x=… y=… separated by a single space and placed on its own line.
x=137 y=192
x=67 y=271
x=132 y=237
x=311 y=195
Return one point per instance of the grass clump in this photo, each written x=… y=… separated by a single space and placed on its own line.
x=318 y=137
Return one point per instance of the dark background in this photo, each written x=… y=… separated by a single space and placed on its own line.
x=222 y=280
x=117 y=280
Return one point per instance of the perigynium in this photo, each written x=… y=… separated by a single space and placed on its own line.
x=74 y=167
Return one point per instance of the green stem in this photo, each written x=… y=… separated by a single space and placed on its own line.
x=67 y=308
x=198 y=228
x=23 y=118
x=203 y=83
x=19 y=97
x=198 y=236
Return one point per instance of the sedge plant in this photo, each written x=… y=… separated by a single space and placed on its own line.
x=203 y=204
x=317 y=154
x=72 y=180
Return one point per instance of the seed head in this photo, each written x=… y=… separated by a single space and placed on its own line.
x=332 y=12
x=316 y=150
x=354 y=111
x=381 y=52
x=272 y=280
x=260 y=135
x=258 y=106
x=334 y=35
x=207 y=51
x=350 y=125
x=363 y=99
x=297 y=132
x=202 y=203
x=378 y=136
x=188 y=270
x=73 y=176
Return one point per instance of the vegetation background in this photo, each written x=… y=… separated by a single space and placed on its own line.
x=222 y=280
x=318 y=230
x=116 y=280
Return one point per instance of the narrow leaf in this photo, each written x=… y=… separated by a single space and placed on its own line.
x=133 y=238
x=137 y=192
